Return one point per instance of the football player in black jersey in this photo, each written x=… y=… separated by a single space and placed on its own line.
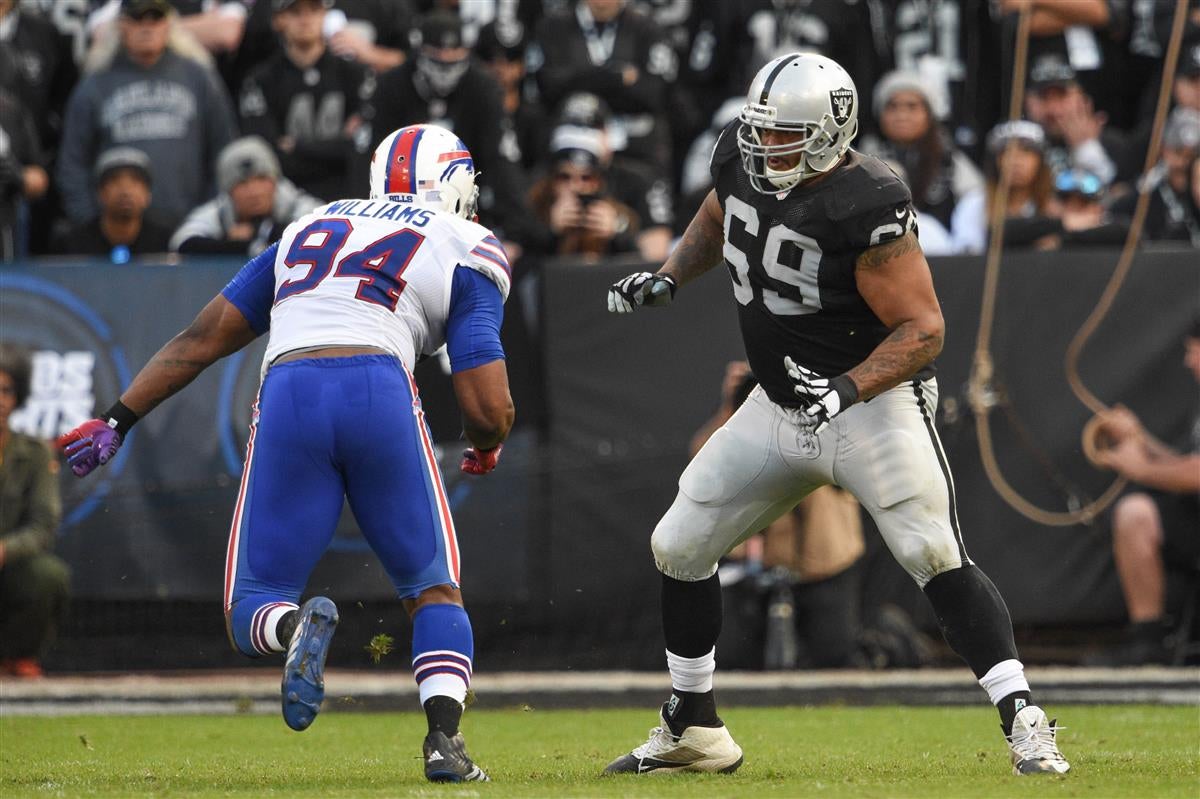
x=841 y=326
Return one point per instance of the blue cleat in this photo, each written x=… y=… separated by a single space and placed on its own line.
x=304 y=672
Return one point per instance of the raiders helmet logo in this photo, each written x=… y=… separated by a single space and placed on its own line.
x=841 y=103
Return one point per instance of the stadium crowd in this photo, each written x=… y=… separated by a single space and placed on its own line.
x=131 y=127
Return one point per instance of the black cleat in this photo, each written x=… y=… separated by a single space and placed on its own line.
x=446 y=760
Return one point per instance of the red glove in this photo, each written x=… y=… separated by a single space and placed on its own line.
x=480 y=461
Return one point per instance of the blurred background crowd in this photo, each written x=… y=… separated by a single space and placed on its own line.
x=165 y=129
x=130 y=127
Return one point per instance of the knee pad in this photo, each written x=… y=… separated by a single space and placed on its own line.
x=678 y=557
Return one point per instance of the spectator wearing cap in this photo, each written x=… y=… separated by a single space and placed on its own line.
x=22 y=177
x=308 y=103
x=443 y=86
x=1174 y=210
x=254 y=206
x=150 y=94
x=1017 y=152
x=215 y=25
x=583 y=121
x=578 y=214
x=1076 y=134
x=122 y=229
x=612 y=49
x=941 y=177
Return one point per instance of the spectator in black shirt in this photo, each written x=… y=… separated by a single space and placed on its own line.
x=1077 y=136
x=123 y=229
x=39 y=68
x=1185 y=93
x=1174 y=210
x=613 y=50
x=501 y=48
x=22 y=176
x=442 y=86
x=308 y=103
x=375 y=32
x=256 y=203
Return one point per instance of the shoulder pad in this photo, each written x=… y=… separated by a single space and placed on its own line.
x=725 y=149
x=868 y=185
x=488 y=257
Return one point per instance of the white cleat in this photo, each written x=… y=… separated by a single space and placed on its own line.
x=707 y=749
x=1034 y=750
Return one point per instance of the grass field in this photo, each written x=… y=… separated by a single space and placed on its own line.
x=1135 y=751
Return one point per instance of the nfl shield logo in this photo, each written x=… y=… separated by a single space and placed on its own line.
x=841 y=103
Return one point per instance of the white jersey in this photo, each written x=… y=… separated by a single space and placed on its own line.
x=375 y=273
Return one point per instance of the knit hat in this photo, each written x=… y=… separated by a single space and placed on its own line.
x=906 y=81
x=122 y=158
x=245 y=158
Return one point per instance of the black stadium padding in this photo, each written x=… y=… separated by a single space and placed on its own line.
x=555 y=543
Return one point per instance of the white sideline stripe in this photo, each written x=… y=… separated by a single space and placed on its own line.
x=265 y=682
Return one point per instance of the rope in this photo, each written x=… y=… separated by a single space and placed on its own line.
x=980 y=392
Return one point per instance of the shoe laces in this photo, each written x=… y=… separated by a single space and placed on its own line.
x=661 y=740
x=1037 y=743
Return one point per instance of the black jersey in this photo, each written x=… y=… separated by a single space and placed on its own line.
x=311 y=106
x=791 y=258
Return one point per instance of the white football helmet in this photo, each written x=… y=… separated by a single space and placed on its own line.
x=801 y=93
x=429 y=162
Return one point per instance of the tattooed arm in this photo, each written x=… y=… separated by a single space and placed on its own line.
x=700 y=248
x=894 y=280
x=219 y=330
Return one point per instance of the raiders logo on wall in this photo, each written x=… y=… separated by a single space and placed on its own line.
x=841 y=103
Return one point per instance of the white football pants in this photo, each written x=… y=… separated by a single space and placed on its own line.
x=761 y=463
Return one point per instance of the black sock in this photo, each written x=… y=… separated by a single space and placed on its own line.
x=685 y=709
x=285 y=627
x=443 y=714
x=1009 y=706
x=691 y=614
x=973 y=617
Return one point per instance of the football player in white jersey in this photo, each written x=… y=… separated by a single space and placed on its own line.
x=352 y=295
x=841 y=325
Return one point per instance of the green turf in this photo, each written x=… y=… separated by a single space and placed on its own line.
x=1134 y=751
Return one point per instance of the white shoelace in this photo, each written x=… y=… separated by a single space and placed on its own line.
x=661 y=740
x=1038 y=744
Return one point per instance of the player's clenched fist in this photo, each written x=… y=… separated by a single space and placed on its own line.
x=824 y=397
x=92 y=444
x=640 y=288
x=480 y=461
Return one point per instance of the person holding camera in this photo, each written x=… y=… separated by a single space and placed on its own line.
x=578 y=215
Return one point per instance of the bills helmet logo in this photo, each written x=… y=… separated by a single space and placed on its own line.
x=841 y=103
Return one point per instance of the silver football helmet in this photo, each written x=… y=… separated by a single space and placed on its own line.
x=801 y=93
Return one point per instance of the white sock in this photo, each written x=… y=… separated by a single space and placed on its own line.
x=1004 y=678
x=271 y=624
x=694 y=675
x=450 y=685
